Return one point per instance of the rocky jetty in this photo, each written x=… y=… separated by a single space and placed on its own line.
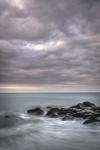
x=87 y=111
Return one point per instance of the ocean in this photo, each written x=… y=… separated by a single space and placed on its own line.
x=27 y=132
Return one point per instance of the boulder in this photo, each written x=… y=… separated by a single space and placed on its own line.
x=96 y=109
x=78 y=106
x=84 y=105
x=92 y=119
x=67 y=111
x=67 y=117
x=62 y=112
x=88 y=104
x=82 y=115
x=36 y=111
x=53 y=112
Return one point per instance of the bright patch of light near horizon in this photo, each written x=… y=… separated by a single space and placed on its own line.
x=18 y=87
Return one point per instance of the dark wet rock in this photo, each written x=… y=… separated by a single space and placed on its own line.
x=78 y=106
x=88 y=104
x=36 y=111
x=82 y=115
x=72 y=110
x=84 y=105
x=52 y=115
x=96 y=109
x=67 y=117
x=91 y=120
x=67 y=111
x=53 y=112
x=95 y=115
x=7 y=116
x=86 y=110
x=48 y=107
x=62 y=112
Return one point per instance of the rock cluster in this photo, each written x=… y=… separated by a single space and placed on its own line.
x=36 y=111
x=89 y=112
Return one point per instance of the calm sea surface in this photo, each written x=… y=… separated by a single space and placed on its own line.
x=24 y=132
x=20 y=102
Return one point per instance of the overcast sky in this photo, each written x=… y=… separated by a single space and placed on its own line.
x=50 y=45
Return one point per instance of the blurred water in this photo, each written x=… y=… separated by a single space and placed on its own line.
x=25 y=132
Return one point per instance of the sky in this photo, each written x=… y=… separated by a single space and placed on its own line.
x=50 y=45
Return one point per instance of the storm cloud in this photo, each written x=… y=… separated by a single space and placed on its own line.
x=50 y=42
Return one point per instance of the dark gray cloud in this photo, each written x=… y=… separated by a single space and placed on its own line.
x=47 y=42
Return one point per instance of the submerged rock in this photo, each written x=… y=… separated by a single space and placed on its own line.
x=36 y=111
x=7 y=116
x=9 y=120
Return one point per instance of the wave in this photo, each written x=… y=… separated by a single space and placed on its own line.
x=21 y=131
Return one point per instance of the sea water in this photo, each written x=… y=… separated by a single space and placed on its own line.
x=25 y=132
